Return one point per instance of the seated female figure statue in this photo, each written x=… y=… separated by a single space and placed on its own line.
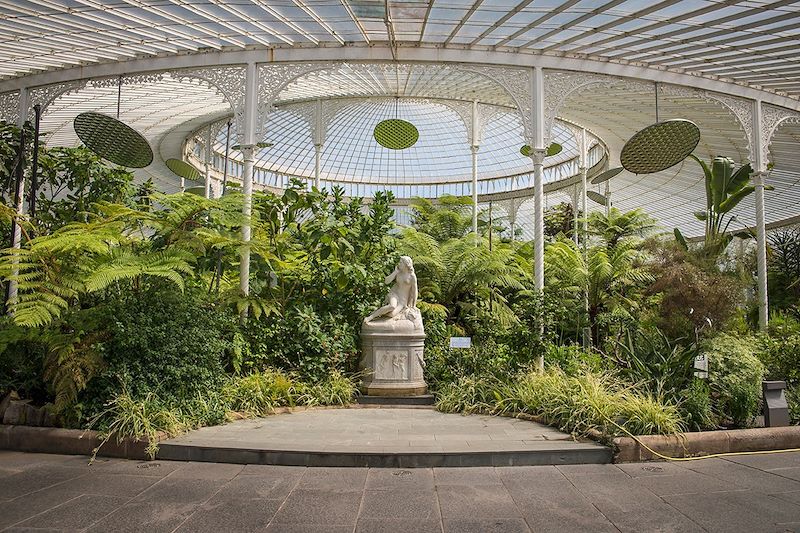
x=400 y=311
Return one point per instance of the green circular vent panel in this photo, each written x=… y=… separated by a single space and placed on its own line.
x=396 y=134
x=607 y=175
x=660 y=146
x=113 y=140
x=183 y=169
x=596 y=197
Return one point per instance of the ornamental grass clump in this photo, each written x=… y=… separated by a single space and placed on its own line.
x=469 y=394
x=580 y=404
x=139 y=419
x=258 y=394
x=336 y=389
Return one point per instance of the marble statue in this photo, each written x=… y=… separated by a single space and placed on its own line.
x=399 y=312
x=393 y=339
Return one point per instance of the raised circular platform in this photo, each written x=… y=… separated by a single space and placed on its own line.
x=384 y=437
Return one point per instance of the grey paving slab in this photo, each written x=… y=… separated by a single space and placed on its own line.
x=78 y=513
x=266 y=485
x=320 y=507
x=549 y=501
x=478 y=502
x=334 y=479
x=26 y=506
x=152 y=516
x=238 y=515
x=467 y=476
x=307 y=528
x=35 y=479
x=768 y=461
x=744 y=476
x=628 y=506
x=502 y=525
x=687 y=482
x=402 y=504
x=398 y=525
x=792 y=472
x=793 y=497
x=399 y=479
x=706 y=495
x=214 y=472
x=112 y=484
x=181 y=490
x=744 y=511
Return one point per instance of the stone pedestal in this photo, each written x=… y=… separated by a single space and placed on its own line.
x=393 y=363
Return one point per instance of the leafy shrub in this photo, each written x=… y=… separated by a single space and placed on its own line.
x=793 y=399
x=696 y=407
x=468 y=394
x=650 y=360
x=21 y=358
x=139 y=419
x=572 y=359
x=304 y=342
x=444 y=365
x=160 y=340
x=693 y=292
x=258 y=394
x=735 y=376
x=336 y=389
x=780 y=350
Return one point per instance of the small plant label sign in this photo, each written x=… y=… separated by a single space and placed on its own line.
x=460 y=342
x=701 y=366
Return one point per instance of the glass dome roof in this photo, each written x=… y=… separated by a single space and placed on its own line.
x=442 y=154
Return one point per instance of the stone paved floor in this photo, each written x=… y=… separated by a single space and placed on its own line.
x=52 y=492
x=381 y=430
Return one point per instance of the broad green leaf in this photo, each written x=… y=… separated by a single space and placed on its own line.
x=721 y=170
x=681 y=239
x=733 y=200
x=739 y=179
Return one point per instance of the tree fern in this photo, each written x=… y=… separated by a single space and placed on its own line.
x=124 y=265
x=71 y=362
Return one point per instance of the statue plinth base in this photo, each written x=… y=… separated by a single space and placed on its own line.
x=393 y=361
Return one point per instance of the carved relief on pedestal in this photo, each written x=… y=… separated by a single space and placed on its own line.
x=392 y=364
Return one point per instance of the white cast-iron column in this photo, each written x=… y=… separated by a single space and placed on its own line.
x=16 y=238
x=537 y=154
x=474 y=147
x=248 y=146
x=761 y=233
x=318 y=134
x=583 y=162
x=207 y=162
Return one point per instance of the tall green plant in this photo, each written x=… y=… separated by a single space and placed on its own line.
x=725 y=188
x=613 y=278
x=462 y=275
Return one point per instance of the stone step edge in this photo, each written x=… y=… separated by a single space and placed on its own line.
x=397 y=401
x=356 y=459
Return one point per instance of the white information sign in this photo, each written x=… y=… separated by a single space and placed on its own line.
x=461 y=342
x=701 y=366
